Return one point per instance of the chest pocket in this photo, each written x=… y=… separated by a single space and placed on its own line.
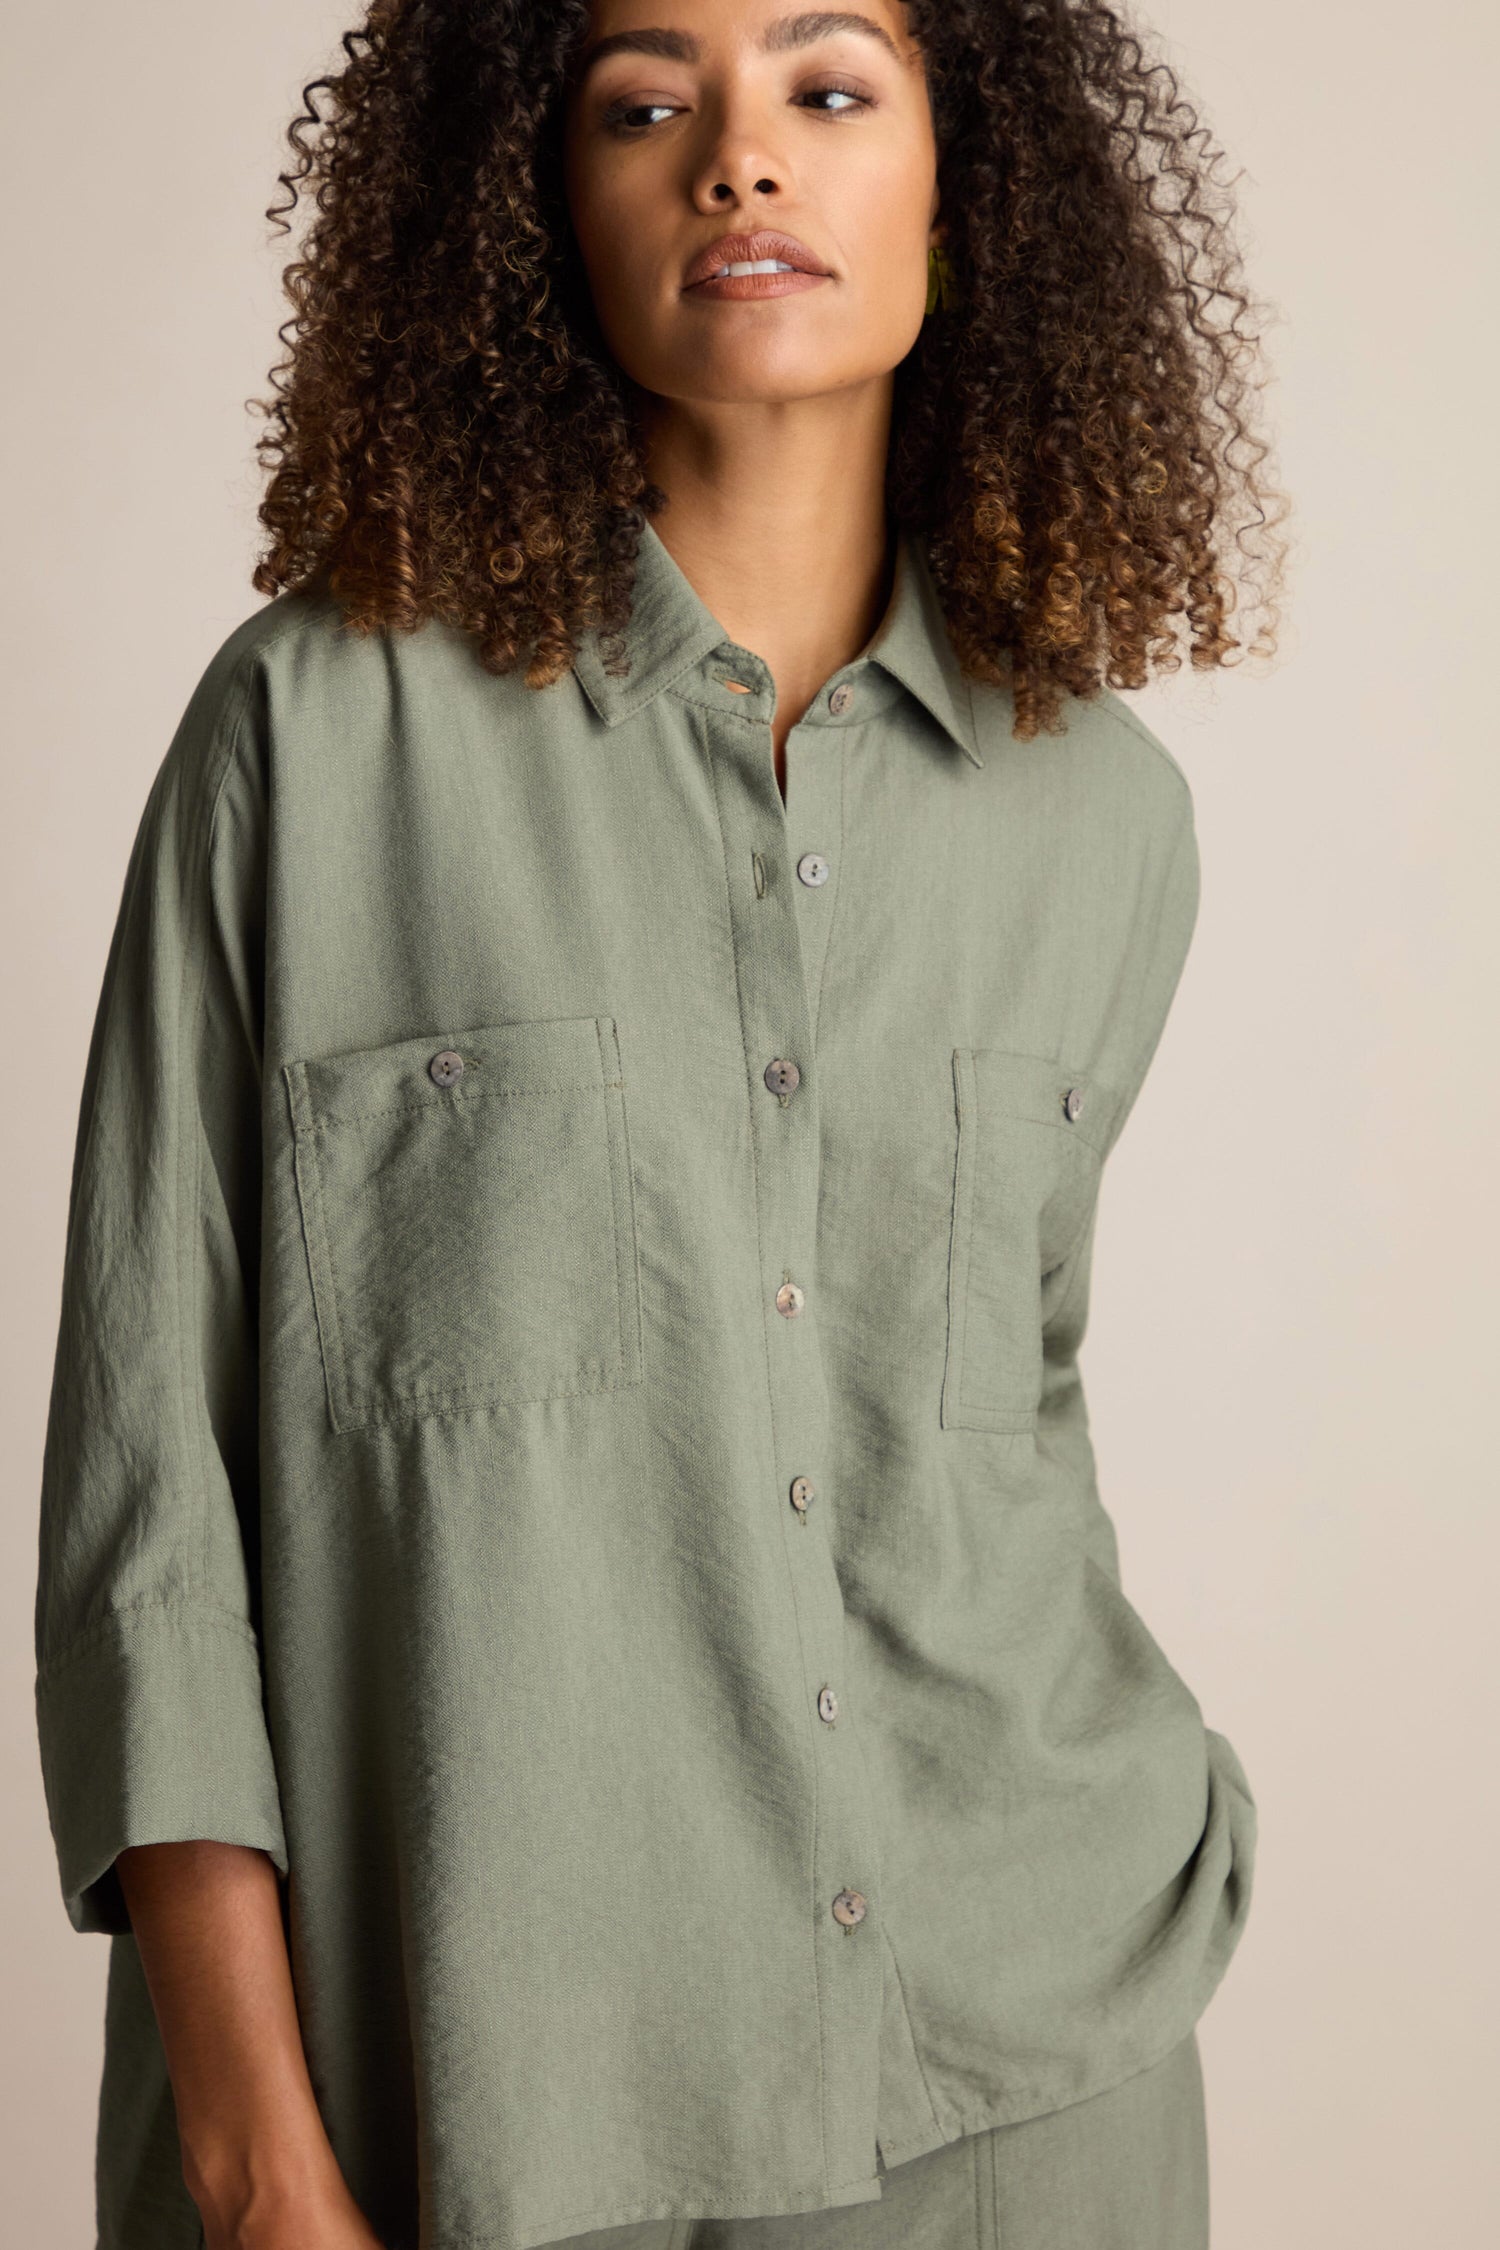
x=469 y=1219
x=1031 y=1140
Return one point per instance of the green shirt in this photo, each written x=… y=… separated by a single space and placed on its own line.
x=567 y=1428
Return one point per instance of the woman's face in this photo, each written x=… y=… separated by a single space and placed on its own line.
x=692 y=120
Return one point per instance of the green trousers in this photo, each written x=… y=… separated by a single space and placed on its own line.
x=1126 y=2170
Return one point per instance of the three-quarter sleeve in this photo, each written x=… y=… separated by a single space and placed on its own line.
x=149 y=1694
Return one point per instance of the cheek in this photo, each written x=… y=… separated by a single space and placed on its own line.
x=615 y=250
x=883 y=218
x=596 y=217
x=602 y=195
x=888 y=270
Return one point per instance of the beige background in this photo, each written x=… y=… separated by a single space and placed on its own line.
x=1291 y=1366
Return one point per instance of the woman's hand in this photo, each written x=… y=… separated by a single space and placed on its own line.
x=287 y=2218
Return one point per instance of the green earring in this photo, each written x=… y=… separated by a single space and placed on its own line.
x=941 y=286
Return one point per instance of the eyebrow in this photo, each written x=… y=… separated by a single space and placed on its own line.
x=780 y=37
x=821 y=23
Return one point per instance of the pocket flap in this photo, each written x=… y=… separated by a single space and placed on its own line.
x=1037 y=1089
x=555 y=1055
x=1032 y=1135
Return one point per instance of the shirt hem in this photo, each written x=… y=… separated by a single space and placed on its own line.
x=1016 y=2108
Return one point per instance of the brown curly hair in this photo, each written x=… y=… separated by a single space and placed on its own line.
x=449 y=435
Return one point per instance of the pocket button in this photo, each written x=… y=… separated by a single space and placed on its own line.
x=446 y=1068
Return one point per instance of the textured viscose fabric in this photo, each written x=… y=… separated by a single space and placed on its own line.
x=708 y=1744
x=1125 y=2170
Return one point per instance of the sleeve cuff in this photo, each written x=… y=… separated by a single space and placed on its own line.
x=152 y=1730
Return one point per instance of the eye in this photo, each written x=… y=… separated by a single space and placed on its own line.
x=635 y=117
x=844 y=100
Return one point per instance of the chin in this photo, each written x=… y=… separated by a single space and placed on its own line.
x=746 y=378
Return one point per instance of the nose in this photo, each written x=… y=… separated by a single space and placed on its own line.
x=723 y=191
x=739 y=167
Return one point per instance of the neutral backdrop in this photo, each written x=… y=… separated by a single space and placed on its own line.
x=1292 y=1357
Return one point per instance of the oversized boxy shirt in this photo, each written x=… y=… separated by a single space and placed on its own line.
x=567 y=1428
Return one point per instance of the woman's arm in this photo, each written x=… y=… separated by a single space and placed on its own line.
x=255 y=2155
x=151 y=1698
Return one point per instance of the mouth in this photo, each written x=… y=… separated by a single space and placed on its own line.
x=762 y=264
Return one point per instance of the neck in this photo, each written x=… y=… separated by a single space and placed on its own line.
x=776 y=516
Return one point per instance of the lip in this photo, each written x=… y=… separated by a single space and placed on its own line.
x=702 y=278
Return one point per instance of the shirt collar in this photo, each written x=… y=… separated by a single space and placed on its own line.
x=912 y=644
x=671 y=629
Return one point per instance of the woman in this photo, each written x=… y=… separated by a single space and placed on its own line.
x=580 y=1659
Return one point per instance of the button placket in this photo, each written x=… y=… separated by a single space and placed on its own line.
x=779 y=856
x=816 y=754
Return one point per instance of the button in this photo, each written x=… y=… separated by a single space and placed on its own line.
x=446 y=1069
x=850 y=1907
x=1072 y=1102
x=841 y=698
x=782 y=1077
x=812 y=869
x=828 y=1705
x=803 y=1489
x=789 y=1299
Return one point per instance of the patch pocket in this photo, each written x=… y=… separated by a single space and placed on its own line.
x=1032 y=1136
x=469 y=1219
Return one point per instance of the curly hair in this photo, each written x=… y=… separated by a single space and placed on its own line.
x=1072 y=439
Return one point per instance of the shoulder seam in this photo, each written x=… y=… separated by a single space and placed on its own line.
x=227 y=724
x=1127 y=718
x=325 y=602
